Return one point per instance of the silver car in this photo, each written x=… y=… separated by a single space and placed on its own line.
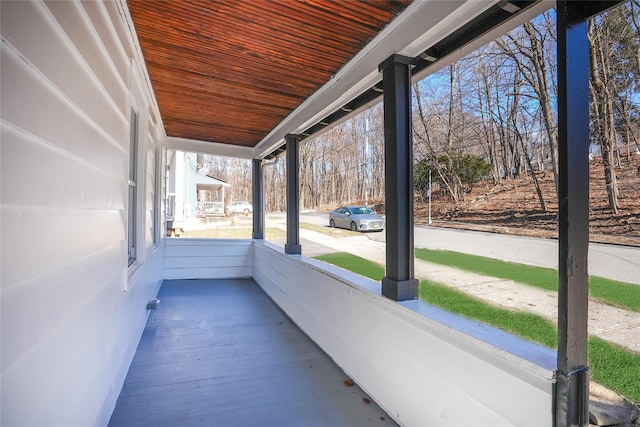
x=239 y=208
x=356 y=218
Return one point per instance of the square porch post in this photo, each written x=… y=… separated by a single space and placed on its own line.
x=258 y=199
x=293 y=196
x=399 y=283
x=571 y=406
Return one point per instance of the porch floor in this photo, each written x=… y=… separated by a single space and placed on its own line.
x=221 y=353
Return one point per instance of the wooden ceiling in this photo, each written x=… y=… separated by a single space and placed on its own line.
x=230 y=71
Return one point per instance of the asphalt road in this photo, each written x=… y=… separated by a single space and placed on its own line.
x=610 y=261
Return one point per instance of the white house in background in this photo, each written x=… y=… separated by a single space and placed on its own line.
x=191 y=192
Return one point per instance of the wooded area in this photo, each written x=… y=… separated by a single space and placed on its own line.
x=490 y=116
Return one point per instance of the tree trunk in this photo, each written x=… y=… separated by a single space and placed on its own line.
x=534 y=177
x=603 y=105
x=544 y=96
x=535 y=72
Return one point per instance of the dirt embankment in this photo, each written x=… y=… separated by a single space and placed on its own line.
x=513 y=207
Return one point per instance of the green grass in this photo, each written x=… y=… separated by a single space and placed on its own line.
x=619 y=294
x=525 y=325
x=611 y=366
x=232 y=233
x=615 y=368
x=334 y=232
x=354 y=263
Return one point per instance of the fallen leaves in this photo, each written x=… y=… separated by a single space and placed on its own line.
x=350 y=383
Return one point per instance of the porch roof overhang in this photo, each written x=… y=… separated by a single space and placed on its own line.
x=209 y=180
x=234 y=80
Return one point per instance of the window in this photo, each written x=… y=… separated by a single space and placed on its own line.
x=156 y=194
x=133 y=188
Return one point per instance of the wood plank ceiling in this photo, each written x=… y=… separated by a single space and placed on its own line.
x=230 y=71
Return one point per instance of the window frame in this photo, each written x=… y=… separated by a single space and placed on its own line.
x=133 y=188
x=157 y=191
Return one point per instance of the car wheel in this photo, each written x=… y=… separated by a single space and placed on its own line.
x=332 y=223
x=246 y=212
x=354 y=227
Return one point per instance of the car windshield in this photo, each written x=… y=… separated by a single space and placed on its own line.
x=361 y=211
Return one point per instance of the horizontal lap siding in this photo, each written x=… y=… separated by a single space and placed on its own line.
x=207 y=258
x=419 y=370
x=69 y=330
x=58 y=82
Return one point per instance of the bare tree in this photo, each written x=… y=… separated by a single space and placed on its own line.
x=529 y=47
x=496 y=103
x=602 y=104
x=438 y=131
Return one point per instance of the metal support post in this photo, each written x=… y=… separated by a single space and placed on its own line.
x=571 y=405
x=293 y=196
x=399 y=283
x=258 y=199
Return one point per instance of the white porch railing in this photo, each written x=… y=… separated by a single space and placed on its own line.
x=204 y=208
x=422 y=365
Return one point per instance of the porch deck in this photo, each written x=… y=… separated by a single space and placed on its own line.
x=220 y=352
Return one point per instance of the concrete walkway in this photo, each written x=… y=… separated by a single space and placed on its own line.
x=618 y=326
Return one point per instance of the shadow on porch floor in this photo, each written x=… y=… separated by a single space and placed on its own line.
x=221 y=353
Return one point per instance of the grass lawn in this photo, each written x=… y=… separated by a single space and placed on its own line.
x=619 y=294
x=233 y=233
x=354 y=263
x=271 y=233
x=333 y=232
x=611 y=366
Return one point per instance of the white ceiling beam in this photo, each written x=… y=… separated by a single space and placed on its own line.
x=420 y=26
x=526 y=15
x=205 y=147
x=362 y=71
x=423 y=24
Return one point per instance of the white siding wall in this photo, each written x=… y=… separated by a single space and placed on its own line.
x=207 y=258
x=420 y=370
x=72 y=312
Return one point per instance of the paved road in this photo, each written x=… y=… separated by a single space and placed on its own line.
x=611 y=261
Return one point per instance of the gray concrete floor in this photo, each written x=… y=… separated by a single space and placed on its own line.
x=221 y=353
